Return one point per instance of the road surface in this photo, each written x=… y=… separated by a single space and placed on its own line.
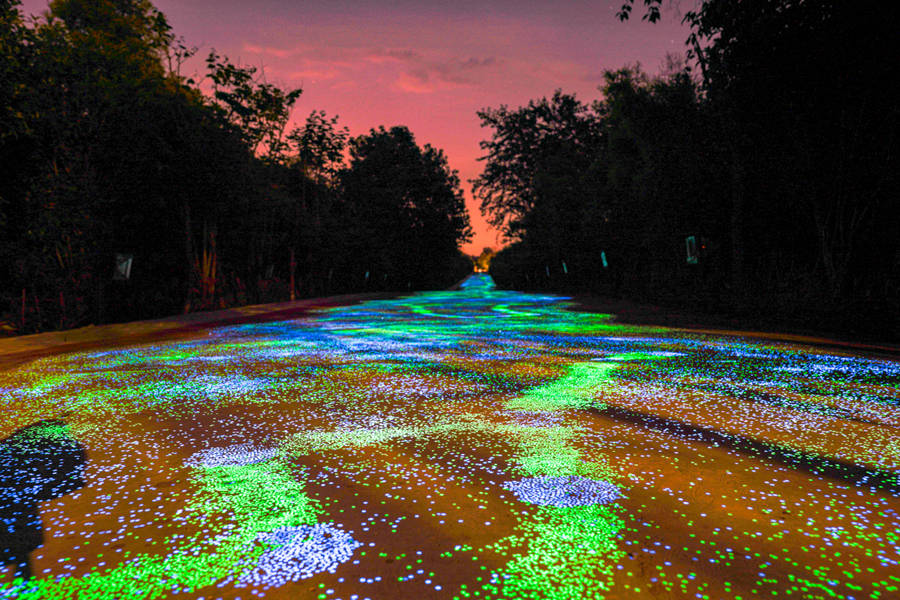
x=468 y=444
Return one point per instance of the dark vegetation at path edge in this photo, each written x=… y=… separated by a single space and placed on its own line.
x=126 y=193
x=756 y=179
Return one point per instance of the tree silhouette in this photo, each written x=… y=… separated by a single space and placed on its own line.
x=779 y=162
x=522 y=142
x=407 y=205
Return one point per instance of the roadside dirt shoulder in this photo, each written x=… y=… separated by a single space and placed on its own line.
x=688 y=321
x=16 y=350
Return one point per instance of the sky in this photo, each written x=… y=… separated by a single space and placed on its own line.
x=426 y=64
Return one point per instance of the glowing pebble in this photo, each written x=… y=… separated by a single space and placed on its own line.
x=230 y=456
x=563 y=491
x=300 y=553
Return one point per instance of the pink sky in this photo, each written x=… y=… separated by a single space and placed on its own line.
x=429 y=65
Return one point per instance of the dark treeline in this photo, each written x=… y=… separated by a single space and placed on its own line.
x=772 y=150
x=108 y=152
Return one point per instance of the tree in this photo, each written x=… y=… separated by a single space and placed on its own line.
x=92 y=66
x=259 y=109
x=483 y=260
x=13 y=101
x=664 y=168
x=826 y=119
x=318 y=155
x=16 y=139
x=407 y=206
x=319 y=146
x=522 y=143
x=109 y=141
x=14 y=46
x=110 y=146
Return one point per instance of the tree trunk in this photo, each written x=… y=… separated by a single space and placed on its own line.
x=208 y=267
x=293 y=263
x=738 y=266
x=188 y=257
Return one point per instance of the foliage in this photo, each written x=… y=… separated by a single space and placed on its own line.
x=523 y=142
x=777 y=160
x=112 y=151
x=826 y=119
x=651 y=7
x=319 y=146
x=408 y=206
x=258 y=109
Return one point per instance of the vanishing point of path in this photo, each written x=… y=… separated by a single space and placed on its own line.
x=467 y=444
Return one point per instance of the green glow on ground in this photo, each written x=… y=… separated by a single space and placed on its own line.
x=579 y=388
x=558 y=553
x=427 y=407
x=254 y=498
x=570 y=555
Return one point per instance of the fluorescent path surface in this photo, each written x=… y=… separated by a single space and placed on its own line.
x=467 y=444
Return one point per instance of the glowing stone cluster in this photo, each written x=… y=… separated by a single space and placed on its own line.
x=299 y=553
x=238 y=455
x=563 y=491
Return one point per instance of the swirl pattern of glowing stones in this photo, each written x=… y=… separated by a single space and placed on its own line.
x=563 y=491
x=300 y=553
x=230 y=456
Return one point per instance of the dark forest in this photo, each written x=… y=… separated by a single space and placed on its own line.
x=109 y=153
x=756 y=179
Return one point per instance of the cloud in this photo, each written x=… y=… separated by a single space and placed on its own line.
x=272 y=51
x=347 y=84
x=311 y=69
x=428 y=75
x=467 y=71
x=414 y=84
x=412 y=71
x=392 y=55
x=314 y=74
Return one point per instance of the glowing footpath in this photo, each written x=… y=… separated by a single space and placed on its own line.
x=475 y=443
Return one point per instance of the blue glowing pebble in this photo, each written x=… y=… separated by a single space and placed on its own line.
x=299 y=553
x=19 y=589
x=230 y=456
x=563 y=491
